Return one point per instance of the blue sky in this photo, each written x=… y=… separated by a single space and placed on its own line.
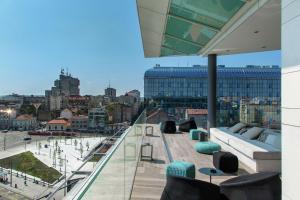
x=99 y=41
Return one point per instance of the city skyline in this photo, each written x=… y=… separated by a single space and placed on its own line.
x=35 y=45
x=149 y=99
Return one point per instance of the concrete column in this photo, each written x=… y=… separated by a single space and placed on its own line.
x=212 y=91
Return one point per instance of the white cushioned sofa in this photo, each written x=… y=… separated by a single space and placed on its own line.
x=257 y=155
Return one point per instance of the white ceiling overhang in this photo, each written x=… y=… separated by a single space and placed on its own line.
x=254 y=27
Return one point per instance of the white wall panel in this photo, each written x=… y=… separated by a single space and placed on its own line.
x=290 y=99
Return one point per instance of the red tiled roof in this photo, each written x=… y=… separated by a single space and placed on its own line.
x=58 y=121
x=197 y=111
x=24 y=117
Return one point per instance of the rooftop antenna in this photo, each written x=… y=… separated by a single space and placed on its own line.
x=62 y=71
x=68 y=71
x=109 y=84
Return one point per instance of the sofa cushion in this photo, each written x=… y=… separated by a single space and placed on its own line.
x=252 y=133
x=243 y=130
x=237 y=127
x=263 y=136
x=255 y=149
x=274 y=140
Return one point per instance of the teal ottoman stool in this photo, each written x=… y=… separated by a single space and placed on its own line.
x=194 y=134
x=207 y=147
x=181 y=168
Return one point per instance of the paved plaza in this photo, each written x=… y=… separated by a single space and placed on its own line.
x=74 y=150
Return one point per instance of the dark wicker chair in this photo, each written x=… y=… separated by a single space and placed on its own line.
x=182 y=188
x=168 y=127
x=259 y=186
x=187 y=126
x=226 y=161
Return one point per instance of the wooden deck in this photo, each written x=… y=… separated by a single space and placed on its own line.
x=150 y=176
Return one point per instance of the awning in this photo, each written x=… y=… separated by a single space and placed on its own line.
x=194 y=27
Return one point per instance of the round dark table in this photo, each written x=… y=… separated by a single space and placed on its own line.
x=210 y=172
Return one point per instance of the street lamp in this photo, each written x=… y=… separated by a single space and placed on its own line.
x=9 y=112
x=4 y=142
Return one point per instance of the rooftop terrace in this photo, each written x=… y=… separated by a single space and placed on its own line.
x=122 y=174
x=150 y=177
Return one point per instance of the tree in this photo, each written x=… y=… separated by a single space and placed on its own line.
x=81 y=149
x=58 y=150
x=56 y=144
x=75 y=143
x=54 y=158
x=40 y=146
x=87 y=145
x=60 y=163
x=27 y=109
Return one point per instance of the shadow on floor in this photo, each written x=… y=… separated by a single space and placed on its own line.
x=240 y=172
x=152 y=135
x=156 y=161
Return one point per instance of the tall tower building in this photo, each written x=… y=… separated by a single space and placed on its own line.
x=110 y=92
x=65 y=86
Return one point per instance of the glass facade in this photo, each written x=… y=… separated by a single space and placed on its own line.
x=191 y=82
x=249 y=94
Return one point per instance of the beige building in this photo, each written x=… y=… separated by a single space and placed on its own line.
x=118 y=113
x=262 y=114
x=97 y=118
x=79 y=122
x=25 y=122
x=55 y=102
x=58 y=125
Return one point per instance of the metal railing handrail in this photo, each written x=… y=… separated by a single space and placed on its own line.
x=86 y=160
x=84 y=187
x=99 y=168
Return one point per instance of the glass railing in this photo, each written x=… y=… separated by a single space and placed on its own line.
x=114 y=176
x=115 y=173
x=262 y=112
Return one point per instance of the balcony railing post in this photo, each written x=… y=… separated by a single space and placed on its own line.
x=212 y=91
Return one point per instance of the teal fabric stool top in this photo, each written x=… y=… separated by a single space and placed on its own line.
x=207 y=147
x=181 y=168
x=194 y=134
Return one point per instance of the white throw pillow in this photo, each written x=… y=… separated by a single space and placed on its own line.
x=237 y=127
x=252 y=133
x=274 y=140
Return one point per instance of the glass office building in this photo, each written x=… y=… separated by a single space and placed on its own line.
x=248 y=94
x=236 y=83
